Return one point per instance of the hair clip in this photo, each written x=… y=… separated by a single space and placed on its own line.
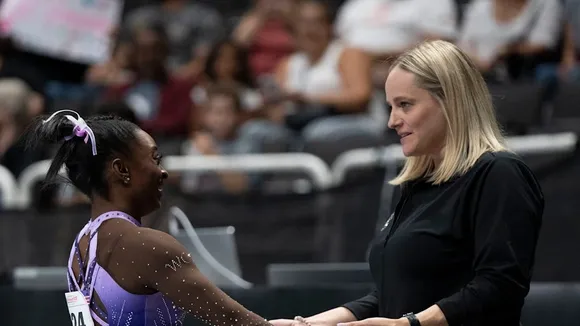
x=81 y=129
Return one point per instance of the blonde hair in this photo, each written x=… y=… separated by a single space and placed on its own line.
x=450 y=76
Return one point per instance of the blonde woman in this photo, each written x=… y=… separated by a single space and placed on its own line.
x=459 y=248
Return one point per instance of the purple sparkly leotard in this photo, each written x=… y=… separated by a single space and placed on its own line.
x=119 y=307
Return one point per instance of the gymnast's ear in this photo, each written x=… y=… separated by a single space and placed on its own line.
x=120 y=171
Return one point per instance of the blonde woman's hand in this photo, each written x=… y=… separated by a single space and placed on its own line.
x=378 y=322
x=284 y=322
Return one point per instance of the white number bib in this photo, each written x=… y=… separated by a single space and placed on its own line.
x=78 y=308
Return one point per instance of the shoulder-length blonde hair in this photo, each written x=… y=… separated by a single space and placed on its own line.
x=450 y=76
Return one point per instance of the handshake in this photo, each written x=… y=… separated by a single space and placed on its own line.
x=340 y=317
x=297 y=321
x=300 y=321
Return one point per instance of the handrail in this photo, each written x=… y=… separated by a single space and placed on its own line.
x=393 y=154
x=177 y=215
x=32 y=174
x=18 y=193
x=275 y=162
x=8 y=187
x=544 y=143
x=364 y=158
x=316 y=169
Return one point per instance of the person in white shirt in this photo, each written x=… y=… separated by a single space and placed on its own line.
x=568 y=69
x=493 y=29
x=392 y=26
x=387 y=28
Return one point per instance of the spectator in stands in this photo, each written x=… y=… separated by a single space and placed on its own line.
x=160 y=101
x=459 y=248
x=227 y=64
x=495 y=29
x=568 y=70
x=12 y=66
x=265 y=30
x=386 y=28
x=330 y=82
x=117 y=70
x=118 y=109
x=14 y=98
x=218 y=136
x=192 y=28
x=18 y=105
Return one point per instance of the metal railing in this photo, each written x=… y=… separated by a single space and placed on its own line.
x=18 y=193
x=177 y=216
x=8 y=188
x=309 y=164
x=392 y=155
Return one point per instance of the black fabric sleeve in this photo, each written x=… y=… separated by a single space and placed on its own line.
x=504 y=221
x=365 y=307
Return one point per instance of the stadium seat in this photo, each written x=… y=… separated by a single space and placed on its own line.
x=567 y=101
x=40 y=278
x=318 y=274
x=170 y=145
x=214 y=250
x=518 y=106
x=329 y=149
x=552 y=304
x=564 y=111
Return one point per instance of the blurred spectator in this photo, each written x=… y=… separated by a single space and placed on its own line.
x=227 y=64
x=11 y=66
x=18 y=105
x=568 y=69
x=13 y=97
x=117 y=69
x=192 y=28
x=219 y=136
x=19 y=100
x=118 y=109
x=495 y=29
x=265 y=31
x=160 y=101
x=330 y=82
x=386 y=28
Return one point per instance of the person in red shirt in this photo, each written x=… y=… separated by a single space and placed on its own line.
x=161 y=102
x=265 y=32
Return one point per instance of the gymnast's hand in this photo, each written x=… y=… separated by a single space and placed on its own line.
x=378 y=322
x=285 y=322
x=298 y=321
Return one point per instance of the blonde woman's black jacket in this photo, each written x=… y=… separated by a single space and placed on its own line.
x=467 y=245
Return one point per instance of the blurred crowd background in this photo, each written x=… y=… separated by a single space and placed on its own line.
x=233 y=77
x=220 y=78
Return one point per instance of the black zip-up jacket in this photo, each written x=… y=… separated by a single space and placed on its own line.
x=467 y=245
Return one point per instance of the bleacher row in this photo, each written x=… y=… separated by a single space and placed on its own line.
x=17 y=193
x=531 y=108
x=523 y=108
